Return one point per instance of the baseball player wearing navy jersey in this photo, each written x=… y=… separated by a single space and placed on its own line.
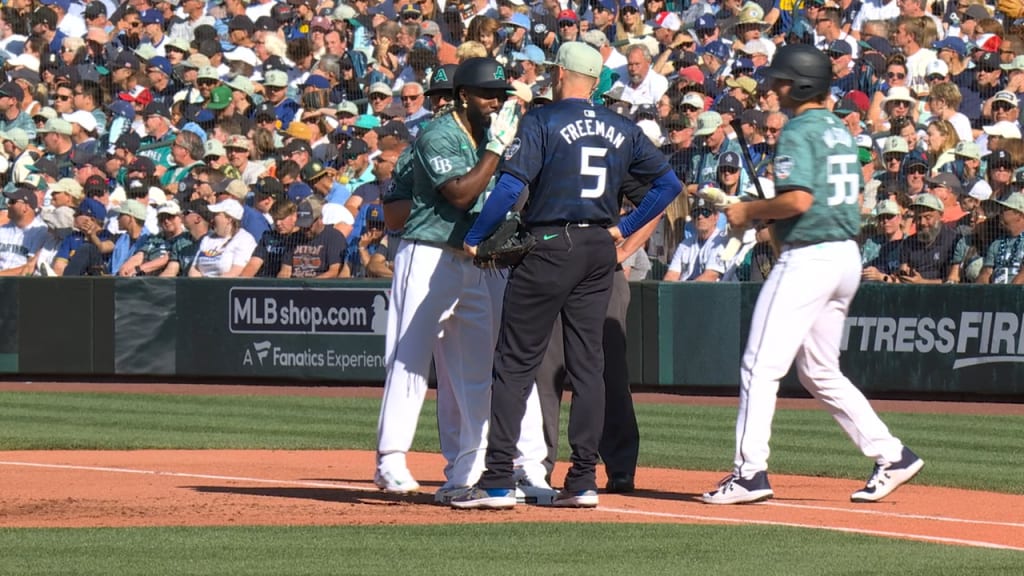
x=803 y=304
x=574 y=156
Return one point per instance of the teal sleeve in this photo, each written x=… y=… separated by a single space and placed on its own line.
x=442 y=155
x=990 y=255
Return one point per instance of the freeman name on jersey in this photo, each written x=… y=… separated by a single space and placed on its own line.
x=588 y=127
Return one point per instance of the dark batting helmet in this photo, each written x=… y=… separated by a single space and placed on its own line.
x=486 y=73
x=441 y=80
x=808 y=68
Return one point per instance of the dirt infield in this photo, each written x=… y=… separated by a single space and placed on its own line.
x=243 y=487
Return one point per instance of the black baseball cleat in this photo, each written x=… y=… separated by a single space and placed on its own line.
x=620 y=484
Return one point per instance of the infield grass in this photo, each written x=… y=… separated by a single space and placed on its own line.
x=485 y=549
x=964 y=451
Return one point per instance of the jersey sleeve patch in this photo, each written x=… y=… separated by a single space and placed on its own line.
x=783 y=167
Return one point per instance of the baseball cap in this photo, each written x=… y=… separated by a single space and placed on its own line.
x=310 y=208
x=840 y=48
x=707 y=123
x=228 y=206
x=1003 y=128
x=238 y=141
x=95 y=185
x=84 y=119
x=396 y=129
x=980 y=190
x=729 y=105
x=220 y=98
x=133 y=208
x=156 y=108
x=947 y=180
x=366 y=122
x=888 y=208
x=170 y=208
x=729 y=159
x=275 y=78
x=895 y=144
x=568 y=15
x=864 y=141
x=13 y=90
x=299 y=130
x=16 y=135
x=213 y=147
x=441 y=80
x=755 y=118
x=200 y=207
x=1016 y=64
x=152 y=16
x=705 y=22
x=667 y=20
x=1000 y=158
x=718 y=49
x=1006 y=96
x=92 y=208
x=1014 y=201
x=928 y=202
x=915 y=159
x=643 y=111
x=380 y=88
x=232 y=187
x=989 y=61
x=951 y=43
x=693 y=99
x=141 y=164
x=57 y=126
x=581 y=58
x=25 y=194
x=269 y=187
x=968 y=150
x=296 y=145
x=313 y=171
x=532 y=53
x=745 y=83
x=430 y=28
x=316 y=81
x=936 y=68
x=355 y=147
x=519 y=19
x=595 y=38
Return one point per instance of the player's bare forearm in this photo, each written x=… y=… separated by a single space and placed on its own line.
x=462 y=192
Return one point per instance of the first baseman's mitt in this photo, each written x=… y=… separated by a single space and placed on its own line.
x=506 y=246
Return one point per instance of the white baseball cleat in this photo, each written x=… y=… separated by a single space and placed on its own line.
x=400 y=482
x=738 y=490
x=887 y=478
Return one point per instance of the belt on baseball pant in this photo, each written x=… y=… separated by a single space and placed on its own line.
x=568 y=224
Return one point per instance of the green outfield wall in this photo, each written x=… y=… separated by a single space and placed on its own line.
x=897 y=340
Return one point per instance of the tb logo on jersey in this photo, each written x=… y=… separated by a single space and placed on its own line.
x=441 y=165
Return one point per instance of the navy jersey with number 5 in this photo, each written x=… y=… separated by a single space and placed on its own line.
x=574 y=157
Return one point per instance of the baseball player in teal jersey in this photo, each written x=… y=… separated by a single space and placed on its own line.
x=442 y=305
x=802 y=307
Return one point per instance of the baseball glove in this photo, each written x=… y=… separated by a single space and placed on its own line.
x=506 y=246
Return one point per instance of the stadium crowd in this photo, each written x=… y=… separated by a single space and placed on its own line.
x=258 y=137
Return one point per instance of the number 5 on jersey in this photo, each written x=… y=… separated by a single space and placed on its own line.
x=590 y=165
x=844 y=183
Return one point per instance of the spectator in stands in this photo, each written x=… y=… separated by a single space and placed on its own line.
x=131 y=219
x=927 y=257
x=252 y=220
x=946 y=187
x=979 y=227
x=23 y=235
x=152 y=256
x=1000 y=173
x=284 y=236
x=1004 y=256
x=321 y=252
x=196 y=218
x=704 y=166
x=698 y=257
x=226 y=250
x=941 y=141
x=880 y=253
x=643 y=85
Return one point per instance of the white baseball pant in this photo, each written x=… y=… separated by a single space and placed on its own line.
x=443 y=306
x=799 y=315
